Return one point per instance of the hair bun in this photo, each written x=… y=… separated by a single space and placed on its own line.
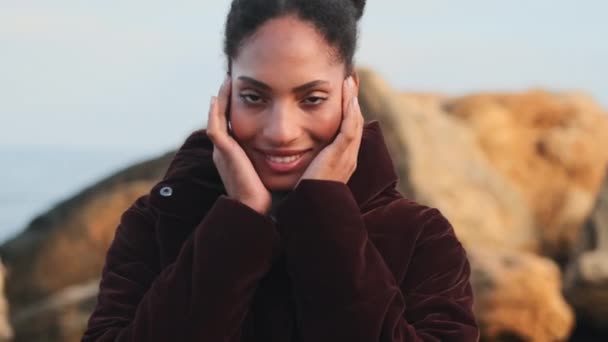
x=359 y=6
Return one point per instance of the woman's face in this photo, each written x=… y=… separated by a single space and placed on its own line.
x=286 y=99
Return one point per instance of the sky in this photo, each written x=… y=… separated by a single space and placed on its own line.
x=137 y=75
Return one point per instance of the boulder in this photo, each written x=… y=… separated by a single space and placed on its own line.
x=65 y=248
x=61 y=316
x=553 y=147
x=6 y=330
x=518 y=296
x=586 y=277
x=440 y=164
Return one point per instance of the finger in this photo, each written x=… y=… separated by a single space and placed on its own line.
x=212 y=124
x=355 y=119
x=352 y=150
x=217 y=128
x=348 y=128
x=347 y=94
x=359 y=114
x=360 y=122
x=355 y=129
x=223 y=97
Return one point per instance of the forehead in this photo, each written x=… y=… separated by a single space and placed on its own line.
x=286 y=46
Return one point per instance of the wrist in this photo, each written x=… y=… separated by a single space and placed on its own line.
x=260 y=207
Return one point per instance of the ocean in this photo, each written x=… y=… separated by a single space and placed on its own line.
x=33 y=179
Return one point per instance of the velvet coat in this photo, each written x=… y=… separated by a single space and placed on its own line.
x=341 y=262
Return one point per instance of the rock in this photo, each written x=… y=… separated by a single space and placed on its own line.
x=440 y=164
x=66 y=247
x=60 y=317
x=6 y=331
x=518 y=296
x=554 y=147
x=586 y=279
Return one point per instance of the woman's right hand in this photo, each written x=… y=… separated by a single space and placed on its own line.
x=240 y=179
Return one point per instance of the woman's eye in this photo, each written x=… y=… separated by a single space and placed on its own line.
x=314 y=100
x=251 y=98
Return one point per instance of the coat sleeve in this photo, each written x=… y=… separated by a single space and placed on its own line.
x=203 y=296
x=344 y=290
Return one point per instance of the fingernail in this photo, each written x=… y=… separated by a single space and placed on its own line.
x=212 y=101
x=223 y=85
x=351 y=83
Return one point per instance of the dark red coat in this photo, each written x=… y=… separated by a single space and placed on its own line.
x=343 y=262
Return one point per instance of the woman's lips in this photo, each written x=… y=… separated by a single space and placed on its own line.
x=284 y=162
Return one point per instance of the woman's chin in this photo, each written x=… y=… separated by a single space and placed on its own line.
x=280 y=183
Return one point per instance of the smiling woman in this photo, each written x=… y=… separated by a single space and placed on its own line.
x=281 y=220
x=287 y=100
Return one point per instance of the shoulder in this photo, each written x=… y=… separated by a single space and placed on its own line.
x=420 y=244
x=135 y=236
x=407 y=217
x=139 y=218
x=410 y=235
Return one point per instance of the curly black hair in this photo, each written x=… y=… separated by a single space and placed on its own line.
x=336 y=20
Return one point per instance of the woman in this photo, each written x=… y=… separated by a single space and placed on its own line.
x=281 y=221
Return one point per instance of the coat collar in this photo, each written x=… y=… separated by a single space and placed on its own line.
x=195 y=182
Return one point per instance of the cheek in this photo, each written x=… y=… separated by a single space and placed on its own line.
x=243 y=125
x=327 y=123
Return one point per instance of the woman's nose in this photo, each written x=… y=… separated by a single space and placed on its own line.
x=281 y=127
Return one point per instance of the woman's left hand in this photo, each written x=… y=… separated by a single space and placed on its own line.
x=338 y=160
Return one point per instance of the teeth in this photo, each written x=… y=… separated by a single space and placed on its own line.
x=284 y=160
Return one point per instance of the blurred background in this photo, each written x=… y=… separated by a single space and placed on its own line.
x=505 y=102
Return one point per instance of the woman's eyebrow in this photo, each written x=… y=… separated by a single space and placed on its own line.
x=298 y=89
